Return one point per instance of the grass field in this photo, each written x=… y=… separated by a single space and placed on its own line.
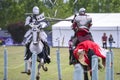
x=16 y=65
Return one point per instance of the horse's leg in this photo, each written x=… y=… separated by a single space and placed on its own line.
x=103 y=62
x=38 y=73
x=42 y=64
x=85 y=73
x=44 y=68
x=29 y=66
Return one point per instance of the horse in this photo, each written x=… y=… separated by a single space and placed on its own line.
x=84 y=52
x=74 y=61
x=36 y=46
x=90 y=47
x=86 y=68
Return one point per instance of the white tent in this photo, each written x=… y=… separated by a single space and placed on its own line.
x=102 y=22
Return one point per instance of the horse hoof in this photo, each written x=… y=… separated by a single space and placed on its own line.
x=28 y=73
x=45 y=69
x=24 y=72
x=37 y=77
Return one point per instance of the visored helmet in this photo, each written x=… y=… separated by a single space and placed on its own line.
x=82 y=11
x=35 y=10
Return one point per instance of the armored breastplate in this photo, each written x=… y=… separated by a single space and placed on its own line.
x=82 y=21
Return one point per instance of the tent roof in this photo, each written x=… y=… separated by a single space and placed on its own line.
x=98 y=20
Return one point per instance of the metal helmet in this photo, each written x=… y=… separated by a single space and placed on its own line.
x=82 y=11
x=35 y=10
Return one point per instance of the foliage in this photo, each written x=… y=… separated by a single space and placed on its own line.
x=13 y=11
x=17 y=31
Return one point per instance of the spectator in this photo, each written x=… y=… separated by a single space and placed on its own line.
x=111 y=40
x=104 y=40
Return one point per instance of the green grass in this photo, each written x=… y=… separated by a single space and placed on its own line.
x=16 y=65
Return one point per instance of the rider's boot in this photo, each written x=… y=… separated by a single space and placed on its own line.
x=47 y=49
x=27 y=52
x=71 y=58
x=48 y=59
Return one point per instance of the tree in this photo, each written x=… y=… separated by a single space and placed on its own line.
x=12 y=11
x=17 y=31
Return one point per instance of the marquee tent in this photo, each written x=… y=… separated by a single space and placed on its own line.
x=102 y=22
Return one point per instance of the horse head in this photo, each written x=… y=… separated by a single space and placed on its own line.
x=36 y=44
x=35 y=35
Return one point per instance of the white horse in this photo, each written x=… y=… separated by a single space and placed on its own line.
x=36 y=46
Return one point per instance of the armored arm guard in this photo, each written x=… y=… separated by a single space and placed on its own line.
x=42 y=21
x=27 y=21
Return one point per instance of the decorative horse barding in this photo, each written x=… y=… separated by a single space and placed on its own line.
x=109 y=68
x=83 y=54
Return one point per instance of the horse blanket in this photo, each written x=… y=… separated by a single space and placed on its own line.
x=86 y=45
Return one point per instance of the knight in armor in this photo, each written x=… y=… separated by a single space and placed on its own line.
x=36 y=18
x=81 y=25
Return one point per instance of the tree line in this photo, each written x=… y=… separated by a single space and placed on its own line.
x=13 y=11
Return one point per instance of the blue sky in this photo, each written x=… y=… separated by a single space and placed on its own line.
x=65 y=0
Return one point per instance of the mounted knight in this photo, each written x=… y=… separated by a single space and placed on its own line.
x=81 y=25
x=40 y=21
x=82 y=45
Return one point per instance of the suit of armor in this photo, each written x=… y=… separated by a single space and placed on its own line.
x=36 y=19
x=40 y=20
x=81 y=25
